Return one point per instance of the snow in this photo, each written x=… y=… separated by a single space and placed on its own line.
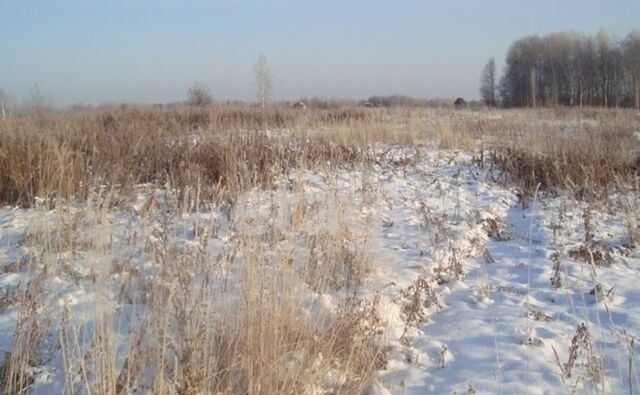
x=500 y=327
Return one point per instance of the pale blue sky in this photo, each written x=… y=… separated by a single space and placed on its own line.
x=150 y=50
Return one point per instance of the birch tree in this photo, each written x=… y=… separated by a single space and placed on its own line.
x=38 y=101
x=488 y=83
x=632 y=62
x=3 y=103
x=568 y=68
x=263 y=80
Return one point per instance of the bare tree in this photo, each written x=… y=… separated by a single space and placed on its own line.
x=587 y=68
x=522 y=77
x=557 y=67
x=263 y=80
x=38 y=100
x=604 y=46
x=568 y=68
x=4 y=98
x=199 y=95
x=632 y=62
x=488 y=83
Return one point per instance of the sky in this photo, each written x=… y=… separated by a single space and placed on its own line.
x=104 y=51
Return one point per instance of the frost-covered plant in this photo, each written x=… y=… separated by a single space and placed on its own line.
x=582 y=353
x=493 y=228
x=419 y=296
x=451 y=268
x=556 y=280
x=442 y=354
x=587 y=218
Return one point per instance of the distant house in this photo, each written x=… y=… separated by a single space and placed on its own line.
x=460 y=103
x=300 y=105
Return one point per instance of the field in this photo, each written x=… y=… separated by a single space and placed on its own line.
x=222 y=249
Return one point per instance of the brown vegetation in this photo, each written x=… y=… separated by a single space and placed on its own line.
x=234 y=321
x=68 y=154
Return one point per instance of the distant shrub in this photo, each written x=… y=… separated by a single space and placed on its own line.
x=199 y=95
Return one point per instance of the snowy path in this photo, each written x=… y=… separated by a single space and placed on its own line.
x=456 y=348
x=500 y=325
x=486 y=324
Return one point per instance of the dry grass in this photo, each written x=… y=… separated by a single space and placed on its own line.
x=232 y=322
x=66 y=155
x=587 y=152
x=30 y=333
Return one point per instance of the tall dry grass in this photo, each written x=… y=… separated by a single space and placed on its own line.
x=588 y=151
x=64 y=155
x=183 y=318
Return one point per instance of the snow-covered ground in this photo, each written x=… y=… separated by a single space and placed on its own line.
x=478 y=291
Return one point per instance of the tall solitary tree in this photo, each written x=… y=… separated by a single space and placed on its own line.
x=263 y=80
x=488 y=83
x=4 y=98
x=38 y=100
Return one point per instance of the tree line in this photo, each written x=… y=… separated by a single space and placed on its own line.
x=567 y=68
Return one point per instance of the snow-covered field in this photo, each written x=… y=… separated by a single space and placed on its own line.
x=476 y=291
